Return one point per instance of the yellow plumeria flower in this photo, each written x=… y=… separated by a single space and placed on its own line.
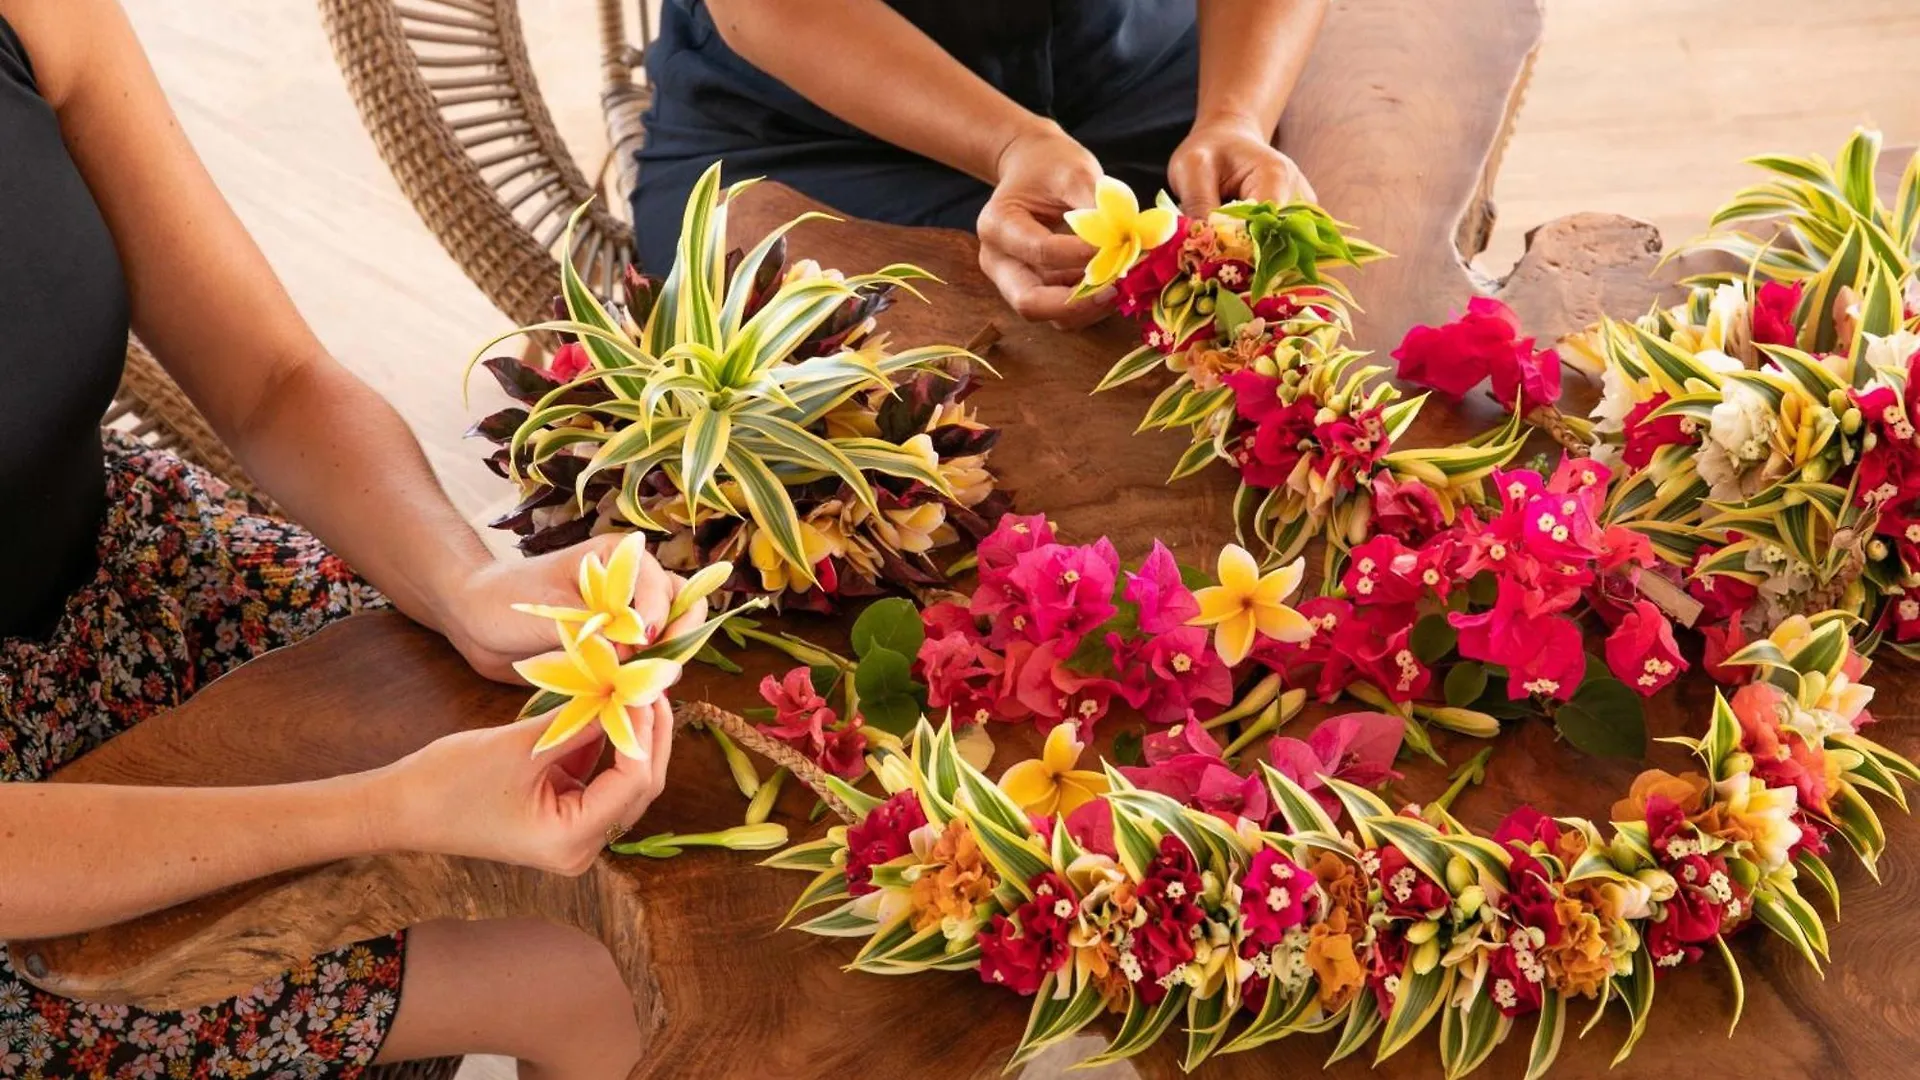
x=1246 y=603
x=607 y=593
x=1119 y=229
x=588 y=672
x=1049 y=784
x=776 y=573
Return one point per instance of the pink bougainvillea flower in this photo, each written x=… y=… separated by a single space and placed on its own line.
x=1531 y=377
x=1274 y=895
x=1723 y=641
x=1014 y=536
x=1483 y=343
x=961 y=673
x=1773 y=306
x=1387 y=573
x=1641 y=651
x=1091 y=826
x=882 y=836
x=799 y=712
x=1406 y=510
x=1069 y=589
x=570 y=361
x=1164 y=601
x=1052 y=692
x=1357 y=747
x=1184 y=764
x=1359 y=438
x=1174 y=676
x=1170 y=891
x=1542 y=653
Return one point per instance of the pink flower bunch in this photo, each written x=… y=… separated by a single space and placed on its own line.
x=1185 y=764
x=1273 y=897
x=1483 y=344
x=1056 y=632
x=1282 y=437
x=1358 y=748
x=1170 y=893
x=804 y=721
x=1708 y=901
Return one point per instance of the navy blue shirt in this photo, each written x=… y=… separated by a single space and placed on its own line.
x=1121 y=76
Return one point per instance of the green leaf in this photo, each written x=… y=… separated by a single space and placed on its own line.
x=1230 y=312
x=708 y=435
x=1635 y=990
x=1142 y=1027
x=1604 y=718
x=1363 y=1019
x=883 y=680
x=1132 y=366
x=542 y=702
x=1551 y=1028
x=1465 y=682
x=1739 y=984
x=893 y=623
x=771 y=508
x=1207 y=1019
x=1468 y=1035
x=1433 y=637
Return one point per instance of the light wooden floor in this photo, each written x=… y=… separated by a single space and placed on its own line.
x=1644 y=107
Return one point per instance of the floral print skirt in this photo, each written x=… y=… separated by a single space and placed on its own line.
x=192 y=581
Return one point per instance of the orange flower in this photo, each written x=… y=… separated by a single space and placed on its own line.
x=955 y=880
x=1580 y=964
x=1688 y=789
x=1330 y=955
x=1346 y=892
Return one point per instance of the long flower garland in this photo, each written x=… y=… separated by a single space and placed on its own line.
x=1246 y=926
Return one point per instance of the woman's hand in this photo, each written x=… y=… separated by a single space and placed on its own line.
x=1041 y=174
x=482 y=624
x=1232 y=159
x=484 y=794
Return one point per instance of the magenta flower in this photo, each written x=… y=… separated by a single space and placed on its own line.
x=1406 y=510
x=1274 y=896
x=1384 y=572
x=1014 y=536
x=1165 y=602
x=1174 y=676
x=1641 y=651
x=1357 y=747
x=1542 y=653
x=1184 y=764
x=1067 y=591
x=799 y=712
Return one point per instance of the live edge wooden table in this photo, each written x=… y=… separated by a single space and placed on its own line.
x=719 y=991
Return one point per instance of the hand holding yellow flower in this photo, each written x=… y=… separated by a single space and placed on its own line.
x=1119 y=229
x=589 y=672
x=1247 y=603
x=1050 y=784
x=606 y=593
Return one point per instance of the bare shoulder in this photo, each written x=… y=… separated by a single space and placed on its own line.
x=57 y=36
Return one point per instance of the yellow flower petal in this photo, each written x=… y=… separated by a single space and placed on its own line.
x=639 y=682
x=1061 y=749
x=625 y=628
x=618 y=723
x=556 y=672
x=598 y=660
x=1155 y=227
x=1031 y=785
x=1280 y=584
x=557 y=614
x=568 y=721
x=1217 y=604
x=1239 y=572
x=592 y=575
x=1282 y=623
x=623 y=572
x=1073 y=796
x=1233 y=639
x=1115 y=201
x=1111 y=262
x=1095 y=229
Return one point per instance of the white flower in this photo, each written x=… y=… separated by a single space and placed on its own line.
x=1768 y=812
x=1743 y=423
x=1726 y=318
x=1719 y=361
x=1618 y=396
x=1890 y=353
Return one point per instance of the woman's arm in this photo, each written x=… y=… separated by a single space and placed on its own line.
x=1251 y=54
x=837 y=52
x=75 y=857
x=329 y=449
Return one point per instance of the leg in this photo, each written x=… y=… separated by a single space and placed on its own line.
x=545 y=994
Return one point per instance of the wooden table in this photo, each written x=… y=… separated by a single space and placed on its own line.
x=1398 y=123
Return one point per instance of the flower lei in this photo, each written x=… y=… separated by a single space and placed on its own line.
x=1250 y=923
x=1748 y=463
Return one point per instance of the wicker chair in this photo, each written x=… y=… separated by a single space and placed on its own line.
x=446 y=89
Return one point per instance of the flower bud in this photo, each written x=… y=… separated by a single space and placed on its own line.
x=1177 y=293
x=1744 y=872
x=1459 y=874
x=1472 y=898
x=894 y=773
x=1203 y=306
x=1737 y=763
x=1817 y=470
x=1850 y=421
x=1465 y=721
x=1422 y=932
x=1660 y=884
x=1837 y=400
x=1426 y=957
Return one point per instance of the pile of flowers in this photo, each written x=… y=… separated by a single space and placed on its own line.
x=1239 y=307
x=1094 y=894
x=747 y=410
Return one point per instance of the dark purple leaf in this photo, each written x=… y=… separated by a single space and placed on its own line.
x=500 y=426
x=555 y=537
x=959 y=440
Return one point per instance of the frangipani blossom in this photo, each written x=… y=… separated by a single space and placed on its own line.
x=1119 y=230
x=588 y=671
x=1247 y=603
x=606 y=593
x=1049 y=784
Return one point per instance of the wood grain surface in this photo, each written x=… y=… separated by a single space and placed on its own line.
x=720 y=991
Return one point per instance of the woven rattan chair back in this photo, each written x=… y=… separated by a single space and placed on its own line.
x=446 y=89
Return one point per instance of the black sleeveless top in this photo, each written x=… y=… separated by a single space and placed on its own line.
x=63 y=340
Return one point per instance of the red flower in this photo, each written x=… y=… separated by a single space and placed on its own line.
x=1184 y=764
x=1641 y=651
x=1542 y=653
x=799 y=712
x=1137 y=289
x=1170 y=893
x=1068 y=590
x=1721 y=596
x=1173 y=676
x=1721 y=642
x=1020 y=952
x=880 y=837
x=959 y=669
x=1045 y=687
x=1406 y=510
x=1644 y=436
x=1012 y=537
x=570 y=361
x=1359 y=438
x=1526 y=826
x=1164 y=601
x=1273 y=897
x=1515 y=989
x=1409 y=893
x=1773 y=307
x=1484 y=343
x=1387 y=573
